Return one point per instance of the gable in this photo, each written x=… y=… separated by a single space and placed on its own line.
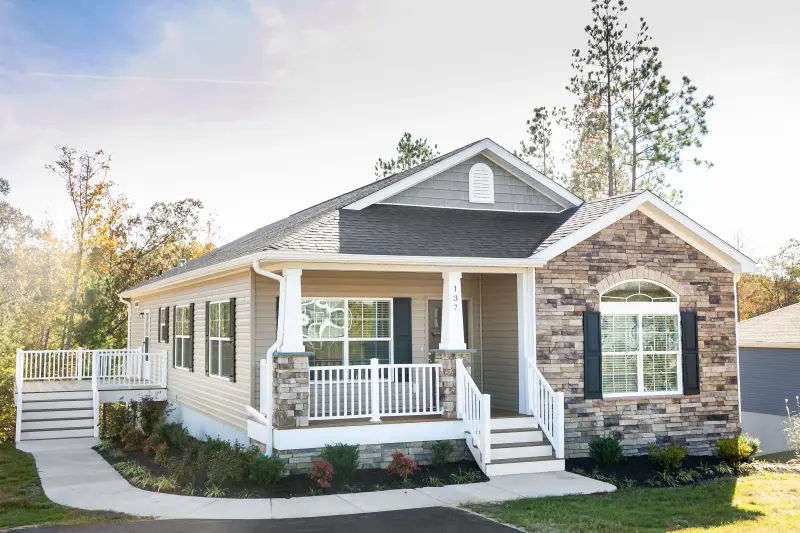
x=451 y=188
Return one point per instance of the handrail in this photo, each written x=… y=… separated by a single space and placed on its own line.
x=18 y=383
x=475 y=409
x=547 y=407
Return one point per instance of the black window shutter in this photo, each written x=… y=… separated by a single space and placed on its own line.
x=191 y=340
x=401 y=329
x=592 y=356
x=232 y=330
x=160 y=309
x=277 y=311
x=174 y=338
x=208 y=334
x=691 y=354
x=166 y=325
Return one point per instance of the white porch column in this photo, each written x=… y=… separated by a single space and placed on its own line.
x=293 y=318
x=526 y=330
x=452 y=313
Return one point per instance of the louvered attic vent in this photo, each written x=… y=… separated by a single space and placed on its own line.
x=481 y=184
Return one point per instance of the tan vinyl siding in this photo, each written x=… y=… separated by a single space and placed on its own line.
x=500 y=340
x=217 y=398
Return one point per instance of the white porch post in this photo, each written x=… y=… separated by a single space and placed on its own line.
x=452 y=313
x=526 y=331
x=292 y=325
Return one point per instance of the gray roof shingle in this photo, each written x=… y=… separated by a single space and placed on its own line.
x=780 y=327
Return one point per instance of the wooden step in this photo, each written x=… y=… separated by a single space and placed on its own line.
x=50 y=396
x=57 y=433
x=533 y=465
x=515 y=422
x=49 y=414
x=514 y=436
x=38 y=405
x=59 y=423
x=521 y=450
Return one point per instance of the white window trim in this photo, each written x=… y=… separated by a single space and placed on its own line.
x=638 y=309
x=346 y=339
x=175 y=335
x=219 y=340
x=162 y=314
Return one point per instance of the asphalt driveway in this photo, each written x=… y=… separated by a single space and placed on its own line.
x=431 y=520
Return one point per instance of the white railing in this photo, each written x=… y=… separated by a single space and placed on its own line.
x=18 y=387
x=476 y=411
x=547 y=407
x=338 y=392
x=131 y=369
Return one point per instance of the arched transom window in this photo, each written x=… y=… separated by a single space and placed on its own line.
x=641 y=343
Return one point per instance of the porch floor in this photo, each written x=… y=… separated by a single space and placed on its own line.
x=496 y=413
x=69 y=385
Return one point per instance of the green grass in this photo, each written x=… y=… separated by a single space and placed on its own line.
x=780 y=457
x=755 y=504
x=23 y=502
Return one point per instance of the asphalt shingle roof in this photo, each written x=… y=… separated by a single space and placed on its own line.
x=781 y=327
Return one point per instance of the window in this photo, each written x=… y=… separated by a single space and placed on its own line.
x=481 y=184
x=219 y=339
x=182 y=336
x=640 y=339
x=343 y=331
x=163 y=324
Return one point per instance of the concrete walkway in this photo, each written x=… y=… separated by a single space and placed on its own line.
x=75 y=475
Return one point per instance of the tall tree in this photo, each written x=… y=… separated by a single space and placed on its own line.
x=410 y=153
x=777 y=286
x=538 y=151
x=84 y=174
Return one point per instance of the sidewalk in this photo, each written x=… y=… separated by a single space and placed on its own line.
x=73 y=474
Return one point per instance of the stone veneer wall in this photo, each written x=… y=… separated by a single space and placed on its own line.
x=291 y=388
x=371 y=455
x=567 y=286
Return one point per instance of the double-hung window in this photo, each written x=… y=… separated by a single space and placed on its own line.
x=219 y=339
x=347 y=331
x=640 y=339
x=163 y=324
x=182 y=337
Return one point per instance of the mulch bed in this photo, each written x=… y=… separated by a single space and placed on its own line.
x=300 y=484
x=640 y=470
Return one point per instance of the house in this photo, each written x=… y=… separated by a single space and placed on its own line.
x=769 y=362
x=470 y=298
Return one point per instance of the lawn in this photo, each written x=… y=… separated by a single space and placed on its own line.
x=23 y=502
x=759 y=503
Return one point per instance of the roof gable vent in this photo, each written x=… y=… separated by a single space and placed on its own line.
x=481 y=184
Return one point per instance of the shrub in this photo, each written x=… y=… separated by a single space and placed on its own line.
x=118 y=416
x=402 y=465
x=161 y=454
x=151 y=413
x=606 y=451
x=670 y=457
x=441 y=451
x=184 y=469
x=150 y=445
x=267 y=470
x=734 y=450
x=343 y=458
x=321 y=474
x=173 y=434
x=224 y=463
x=753 y=442
x=792 y=428
x=132 y=438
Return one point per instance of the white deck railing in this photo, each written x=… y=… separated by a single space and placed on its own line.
x=131 y=370
x=476 y=411
x=374 y=391
x=547 y=407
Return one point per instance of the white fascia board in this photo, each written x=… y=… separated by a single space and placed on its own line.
x=485 y=145
x=775 y=345
x=668 y=217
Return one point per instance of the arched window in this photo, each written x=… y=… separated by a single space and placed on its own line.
x=641 y=343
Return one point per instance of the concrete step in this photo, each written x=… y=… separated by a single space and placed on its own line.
x=60 y=423
x=38 y=405
x=521 y=450
x=56 y=395
x=57 y=433
x=515 y=436
x=505 y=467
x=28 y=415
x=517 y=422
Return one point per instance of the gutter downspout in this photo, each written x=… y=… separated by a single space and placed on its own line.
x=266 y=365
x=128 y=305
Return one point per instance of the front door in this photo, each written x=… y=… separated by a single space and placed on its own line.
x=435 y=323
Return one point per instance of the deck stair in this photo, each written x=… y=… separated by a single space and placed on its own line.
x=57 y=415
x=520 y=447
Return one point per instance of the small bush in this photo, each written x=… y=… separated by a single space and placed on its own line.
x=133 y=439
x=150 y=446
x=734 y=450
x=118 y=416
x=226 y=464
x=151 y=413
x=441 y=451
x=161 y=454
x=464 y=477
x=343 y=458
x=606 y=451
x=402 y=466
x=267 y=470
x=670 y=457
x=792 y=428
x=173 y=434
x=753 y=442
x=321 y=474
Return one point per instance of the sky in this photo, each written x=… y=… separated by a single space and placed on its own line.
x=261 y=108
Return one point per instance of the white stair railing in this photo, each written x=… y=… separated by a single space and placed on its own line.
x=18 y=386
x=547 y=407
x=476 y=411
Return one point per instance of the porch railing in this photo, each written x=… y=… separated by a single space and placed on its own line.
x=374 y=391
x=547 y=407
x=476 y=411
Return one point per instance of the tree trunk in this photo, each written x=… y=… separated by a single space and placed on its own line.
x=71 y=316
x=609 y=126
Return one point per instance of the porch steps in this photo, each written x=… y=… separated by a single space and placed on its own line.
x=57 y=415
x=519 y=447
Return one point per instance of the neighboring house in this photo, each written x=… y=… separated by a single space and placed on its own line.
x=769 y=365
x=469 y=298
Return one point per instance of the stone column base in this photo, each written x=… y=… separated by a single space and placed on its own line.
x=447 y=389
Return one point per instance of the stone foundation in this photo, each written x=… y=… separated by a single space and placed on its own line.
x=637 y=247
x=371 y=455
